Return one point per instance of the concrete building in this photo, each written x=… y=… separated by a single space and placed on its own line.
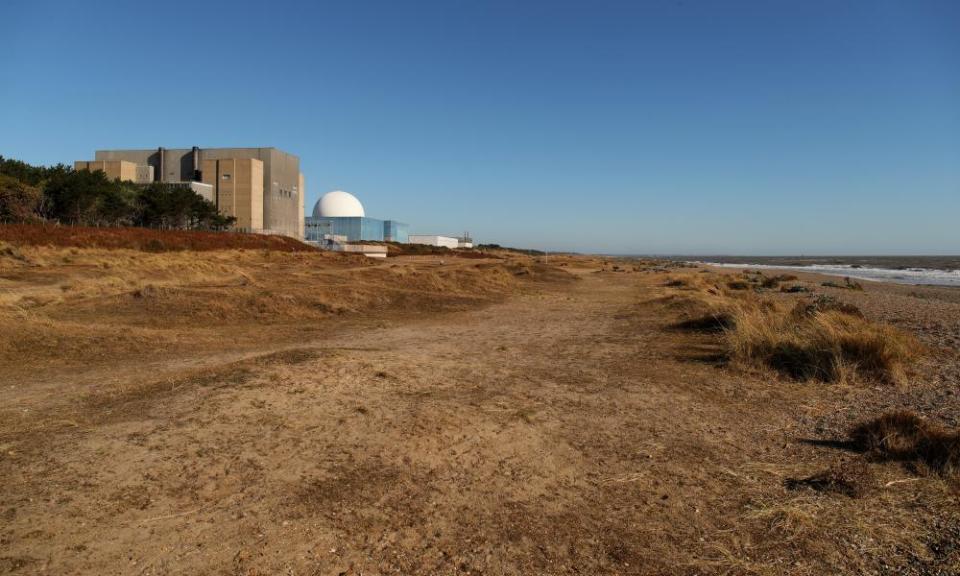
x=262 y=187
x=238 y=187
x=339 y=243
x=433 y=240
x=368 y=250
x=118 y=170
x=339 y=213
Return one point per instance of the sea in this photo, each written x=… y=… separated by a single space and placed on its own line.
x=928 y=270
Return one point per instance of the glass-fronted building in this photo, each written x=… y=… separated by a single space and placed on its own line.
x=394 y=231
x=355 y=228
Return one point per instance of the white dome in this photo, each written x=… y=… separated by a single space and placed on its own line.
x=337 y=204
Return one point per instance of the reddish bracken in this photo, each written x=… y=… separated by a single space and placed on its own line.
x=146 y=239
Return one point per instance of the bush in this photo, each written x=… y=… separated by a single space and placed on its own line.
x=18 y=201
x=824 y=303
x=829 y=345
x=715 y=322
x=774 y=281
x=29 y=175
x=154 y=245
x=904 y=436
x=847 y=284
x=85 y=198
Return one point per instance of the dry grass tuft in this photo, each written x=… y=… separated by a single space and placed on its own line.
x=711 y=323
x=704 y=281
x=853 y=478
x=774 y=281
x=818 y=339
x=904 y=436
x=684 y=282
x=823 y=303
x=847 y=284
x=828 y=345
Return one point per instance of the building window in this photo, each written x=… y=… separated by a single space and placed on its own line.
x=226 y=176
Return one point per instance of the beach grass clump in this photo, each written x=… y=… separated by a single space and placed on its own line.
x=714 y=322
x=693 y=282
x=688 y=282
x=775 y=281
x=824 y=303
x=847 y=284
x=904 y=436
x=830 y=344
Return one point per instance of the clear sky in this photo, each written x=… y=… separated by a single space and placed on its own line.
x=768 y=127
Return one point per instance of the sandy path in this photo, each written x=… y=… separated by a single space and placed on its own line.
x=559 y=432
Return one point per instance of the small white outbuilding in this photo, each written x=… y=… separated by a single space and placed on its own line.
x=432 y=240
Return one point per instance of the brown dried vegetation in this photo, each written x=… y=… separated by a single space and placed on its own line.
x=817 y=339
x=853 y=478
x=145 y=239
x=904 y=436
x=263 y=412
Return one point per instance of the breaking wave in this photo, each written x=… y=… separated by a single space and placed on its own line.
x=928 y=276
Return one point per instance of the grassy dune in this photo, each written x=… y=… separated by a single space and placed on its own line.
x=64 y=305
x=817 y=338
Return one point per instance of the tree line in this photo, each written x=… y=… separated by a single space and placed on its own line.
x=80 y=197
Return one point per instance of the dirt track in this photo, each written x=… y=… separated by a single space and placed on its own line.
x=564 y=430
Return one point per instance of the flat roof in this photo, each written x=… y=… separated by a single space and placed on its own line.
x=190 y=148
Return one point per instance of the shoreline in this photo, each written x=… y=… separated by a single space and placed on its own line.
x=904 y=277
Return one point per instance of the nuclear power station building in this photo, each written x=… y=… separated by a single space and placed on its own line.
x=339 y=214
x=262 y=188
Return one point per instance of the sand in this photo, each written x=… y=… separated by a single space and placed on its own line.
x=337 y=416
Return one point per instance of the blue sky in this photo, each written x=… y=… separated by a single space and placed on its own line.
x=774 y=127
